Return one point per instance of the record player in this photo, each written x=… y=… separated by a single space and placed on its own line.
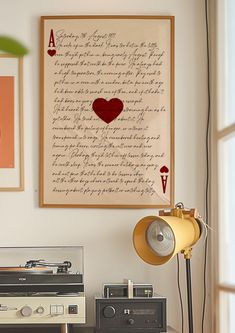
x=42 y=285
x=23 y=271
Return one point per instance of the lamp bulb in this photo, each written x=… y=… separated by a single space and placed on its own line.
x=160 y=238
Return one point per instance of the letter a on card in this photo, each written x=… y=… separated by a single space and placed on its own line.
x=51 y=39
x=51 y=52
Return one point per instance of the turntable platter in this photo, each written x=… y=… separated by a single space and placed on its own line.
x=25 y=270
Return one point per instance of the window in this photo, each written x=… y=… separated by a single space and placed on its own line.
x=224 y=138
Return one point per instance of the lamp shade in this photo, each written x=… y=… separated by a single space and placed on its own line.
x=158 y=238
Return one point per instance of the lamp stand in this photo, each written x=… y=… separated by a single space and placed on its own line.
x=187 y=256
x=189 y=294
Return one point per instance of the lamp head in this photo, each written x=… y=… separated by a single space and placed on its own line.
x=158 y=238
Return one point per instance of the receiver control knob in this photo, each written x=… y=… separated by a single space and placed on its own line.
x=109 y=311
x=40 y=310
x=26 y=311
x=131 y=321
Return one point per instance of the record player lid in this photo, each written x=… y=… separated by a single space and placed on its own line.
x=43 y=260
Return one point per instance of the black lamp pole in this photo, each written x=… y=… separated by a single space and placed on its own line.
x=189 y=294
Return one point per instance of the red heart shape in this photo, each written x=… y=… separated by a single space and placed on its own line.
x=164 y=169
x=107 y=110
x=51 y=52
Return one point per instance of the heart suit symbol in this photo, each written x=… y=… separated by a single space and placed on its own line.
x=164 y=169
x=51 y=52
x=107 y=110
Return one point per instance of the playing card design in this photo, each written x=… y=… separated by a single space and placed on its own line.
x=51 y=52
x=107 y=110
x=164 y=176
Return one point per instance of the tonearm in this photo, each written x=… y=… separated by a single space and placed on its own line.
x=61 y=267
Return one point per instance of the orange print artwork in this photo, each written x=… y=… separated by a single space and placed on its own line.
x=6 y=121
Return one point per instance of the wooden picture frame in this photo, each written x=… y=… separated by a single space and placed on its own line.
x=11 y=123
x=107 y=111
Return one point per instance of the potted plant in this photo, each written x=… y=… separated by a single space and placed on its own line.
x=12 y=46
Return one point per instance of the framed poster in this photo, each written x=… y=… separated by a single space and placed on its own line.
x=11 y=124
x=107 y=109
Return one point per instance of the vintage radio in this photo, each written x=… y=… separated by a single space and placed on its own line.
x=131 y=315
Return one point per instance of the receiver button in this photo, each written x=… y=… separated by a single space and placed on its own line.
x=73 y=309
x=40 y=310
x=59 y=309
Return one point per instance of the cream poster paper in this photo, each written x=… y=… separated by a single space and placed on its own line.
x=107 y=112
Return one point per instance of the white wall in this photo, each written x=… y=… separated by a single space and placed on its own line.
x=106 y=233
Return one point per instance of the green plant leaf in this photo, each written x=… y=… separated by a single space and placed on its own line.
x=12 y=46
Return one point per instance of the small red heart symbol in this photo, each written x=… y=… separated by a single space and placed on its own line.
x=51 y=52
x=164 y=169
x=107 y=110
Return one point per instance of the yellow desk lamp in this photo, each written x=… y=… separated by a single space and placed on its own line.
x=159 y=238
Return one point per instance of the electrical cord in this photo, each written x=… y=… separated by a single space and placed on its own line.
x=180 y=293
x=207 y=165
